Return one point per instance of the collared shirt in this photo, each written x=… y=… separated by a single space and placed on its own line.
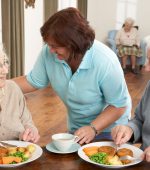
x=97 y=83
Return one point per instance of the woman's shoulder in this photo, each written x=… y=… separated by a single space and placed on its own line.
x=102 y=54
x=134 y=29
x=12 y=86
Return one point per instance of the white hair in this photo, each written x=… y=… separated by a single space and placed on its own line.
x=2 y=52
x=129 y=21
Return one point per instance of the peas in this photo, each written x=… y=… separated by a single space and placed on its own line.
x=99 y=158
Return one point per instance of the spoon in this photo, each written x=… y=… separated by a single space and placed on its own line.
x=127 y=157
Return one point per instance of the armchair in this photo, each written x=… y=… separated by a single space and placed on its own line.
x=111 y=43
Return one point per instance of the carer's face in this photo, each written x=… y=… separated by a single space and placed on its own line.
x=61 y=52
x=4 y=67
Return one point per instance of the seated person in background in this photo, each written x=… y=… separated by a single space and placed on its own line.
x=138 y=127
x=127 y=41
x=15 y=119
x=147 y=65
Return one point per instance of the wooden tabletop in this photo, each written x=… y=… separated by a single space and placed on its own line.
x=52 y=161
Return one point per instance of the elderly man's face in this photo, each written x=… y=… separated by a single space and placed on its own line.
x=4 y=67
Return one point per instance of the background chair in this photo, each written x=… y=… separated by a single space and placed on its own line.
x=140 y=61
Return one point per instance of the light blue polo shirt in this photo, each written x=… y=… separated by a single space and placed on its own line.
x=98 y=82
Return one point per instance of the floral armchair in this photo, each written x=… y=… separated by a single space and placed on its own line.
x=111 y=43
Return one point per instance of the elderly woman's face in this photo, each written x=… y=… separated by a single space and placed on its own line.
x=4 y=66
x=127 y=26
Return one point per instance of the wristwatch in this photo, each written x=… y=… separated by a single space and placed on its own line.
x=93 y=127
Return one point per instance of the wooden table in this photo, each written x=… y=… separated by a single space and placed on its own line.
x=52 y=161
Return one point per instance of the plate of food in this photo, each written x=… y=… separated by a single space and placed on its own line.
x=106 y=155
x=15 y=153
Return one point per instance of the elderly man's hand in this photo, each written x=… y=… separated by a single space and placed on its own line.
x=146 y=154
x=121 y=134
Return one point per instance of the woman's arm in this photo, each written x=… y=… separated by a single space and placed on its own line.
x=30 y=132
x=25 y=86
x=107 y=117
x=137 y=38
x=103 y=120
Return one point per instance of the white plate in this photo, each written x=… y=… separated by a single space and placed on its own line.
x=38 y=152
x=136 y=153
x=50 y=147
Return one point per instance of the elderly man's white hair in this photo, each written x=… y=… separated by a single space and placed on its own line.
x=129 y=21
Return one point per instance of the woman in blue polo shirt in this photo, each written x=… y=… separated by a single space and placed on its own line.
x=85 y=74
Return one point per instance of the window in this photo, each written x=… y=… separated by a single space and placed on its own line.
x=66 y=3
x=33 y=39
x=125 y=8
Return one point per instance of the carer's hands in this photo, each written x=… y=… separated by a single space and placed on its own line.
x=86 y=134
x=121 y=134
x=146 y=154
x=29 y=135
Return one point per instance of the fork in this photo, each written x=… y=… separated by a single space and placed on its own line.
x=127 y=157
x=5 y=144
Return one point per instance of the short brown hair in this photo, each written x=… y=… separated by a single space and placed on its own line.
x=69 y=29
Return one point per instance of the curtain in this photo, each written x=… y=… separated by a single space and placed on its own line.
x=82 y=6
x=50 y=7
x=13 y=34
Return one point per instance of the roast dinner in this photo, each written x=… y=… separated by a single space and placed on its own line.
x=108 y=155
x=14 y=155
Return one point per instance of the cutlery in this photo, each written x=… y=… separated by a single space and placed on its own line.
x=5 y=144
x=127 y=157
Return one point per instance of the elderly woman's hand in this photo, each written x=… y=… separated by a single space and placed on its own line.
x=86 y=134
x=29 y=135
x=146 y=154
x=119 y=46
x=121 y=134
x=135 y=45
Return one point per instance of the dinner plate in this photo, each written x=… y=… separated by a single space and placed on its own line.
x=35 y=155
x=136 y=153
x=50 y=147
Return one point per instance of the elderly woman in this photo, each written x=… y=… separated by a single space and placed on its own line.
x=15 y=119
x=128 y=44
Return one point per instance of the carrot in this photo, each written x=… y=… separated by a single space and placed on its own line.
x=17 y=159
x=1 y=162
x=91 y=150
x=10 y=159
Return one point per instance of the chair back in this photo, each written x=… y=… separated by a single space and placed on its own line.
x=112 y=34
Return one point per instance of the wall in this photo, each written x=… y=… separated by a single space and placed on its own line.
x=102 y=14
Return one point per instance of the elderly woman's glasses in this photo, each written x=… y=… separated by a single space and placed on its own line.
x=4 y=63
